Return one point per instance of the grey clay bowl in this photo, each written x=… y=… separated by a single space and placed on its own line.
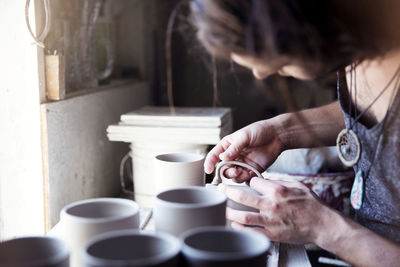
x=221 y=246
x=34 y=251
x=132 y=248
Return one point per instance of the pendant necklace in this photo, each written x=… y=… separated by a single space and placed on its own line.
x=348 y=144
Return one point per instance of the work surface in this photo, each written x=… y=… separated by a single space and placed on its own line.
x=282 y=255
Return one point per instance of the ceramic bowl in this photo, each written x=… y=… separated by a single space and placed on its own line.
x=221 y=246
x=34 y=251
x=132 y=248
x=178 y=210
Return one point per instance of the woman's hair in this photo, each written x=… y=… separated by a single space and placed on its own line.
x=319 y=34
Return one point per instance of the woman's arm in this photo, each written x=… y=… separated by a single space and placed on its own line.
x=260 y=143
x=311 y=127
x=356 y=244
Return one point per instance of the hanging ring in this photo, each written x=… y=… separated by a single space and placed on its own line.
x=39 y=41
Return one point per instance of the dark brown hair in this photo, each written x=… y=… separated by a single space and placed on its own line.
x=319 y=34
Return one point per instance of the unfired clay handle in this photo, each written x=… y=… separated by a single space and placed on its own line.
x=217 y=179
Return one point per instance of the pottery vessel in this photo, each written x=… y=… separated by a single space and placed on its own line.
x=34 y=251
x=178 y=210
x=175 y=170
x=132 y=248
x=142 y=156
x=221 y=246
x=82 y=220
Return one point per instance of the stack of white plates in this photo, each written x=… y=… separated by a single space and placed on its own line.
x=188 y=125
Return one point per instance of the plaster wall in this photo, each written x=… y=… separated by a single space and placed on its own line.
x=82 y=163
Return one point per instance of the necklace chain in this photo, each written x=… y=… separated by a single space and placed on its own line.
x=357 y=117
x=384 y=120
x=348 y=144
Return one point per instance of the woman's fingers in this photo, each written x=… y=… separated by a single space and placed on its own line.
x=215 y=154
x=272 y=194
x=267 y=187
x=237 y=226
x=245 y=217
x=277 y=189
x=232 y=172
x=284 y=181
x=244 y=197
x=237 y=174
x=231 y=152
x=213 y=157
x=237 y=142
x=263 y=230
x=227 y=149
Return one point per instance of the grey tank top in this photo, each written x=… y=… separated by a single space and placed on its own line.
x=380 y=210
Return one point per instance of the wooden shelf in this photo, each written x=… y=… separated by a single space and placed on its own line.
x=114 y=84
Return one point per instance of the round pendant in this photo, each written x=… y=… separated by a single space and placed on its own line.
x=348 y=147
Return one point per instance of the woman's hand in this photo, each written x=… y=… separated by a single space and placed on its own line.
x=260 y=143
x=257 y=144
x=289 y=211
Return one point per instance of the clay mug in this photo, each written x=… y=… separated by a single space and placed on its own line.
x=174 y=170
x=34 y=251
x=132 y=248
x=220 y=178
x=233 y=204
x=82 y=220
x=221 y=246
x=178 y=210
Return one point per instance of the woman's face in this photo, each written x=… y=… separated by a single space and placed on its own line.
x=262 y=69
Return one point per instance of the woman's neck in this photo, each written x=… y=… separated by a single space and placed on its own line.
x=370 y=78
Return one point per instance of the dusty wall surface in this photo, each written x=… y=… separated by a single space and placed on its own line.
x=82 y=163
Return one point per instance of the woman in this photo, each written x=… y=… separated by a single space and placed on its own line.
x=360 y=40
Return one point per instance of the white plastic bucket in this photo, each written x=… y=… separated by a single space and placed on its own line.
x=142 y=155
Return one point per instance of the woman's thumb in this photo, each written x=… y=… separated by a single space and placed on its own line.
x=231 y=152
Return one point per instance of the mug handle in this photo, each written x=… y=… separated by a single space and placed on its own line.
x=218 y=175
x=122 y=174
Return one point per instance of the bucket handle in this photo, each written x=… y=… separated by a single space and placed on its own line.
x=122 y=174
x=219 y=175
